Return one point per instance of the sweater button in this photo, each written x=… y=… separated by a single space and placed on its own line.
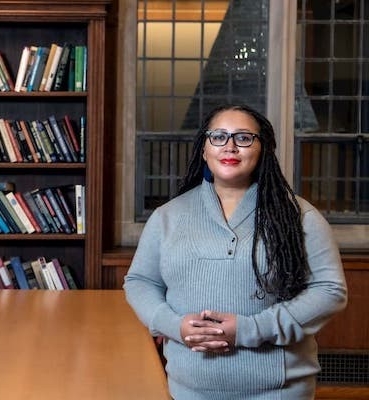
x=230 y=252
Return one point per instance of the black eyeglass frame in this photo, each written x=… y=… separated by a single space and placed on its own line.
x=232 y=135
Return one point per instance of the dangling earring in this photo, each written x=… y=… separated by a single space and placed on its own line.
x=208 y=176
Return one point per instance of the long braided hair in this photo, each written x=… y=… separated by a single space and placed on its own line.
x=277 y=215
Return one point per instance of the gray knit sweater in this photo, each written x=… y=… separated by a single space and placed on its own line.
x=189 y=258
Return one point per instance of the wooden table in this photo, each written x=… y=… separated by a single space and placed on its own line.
x=75 y=344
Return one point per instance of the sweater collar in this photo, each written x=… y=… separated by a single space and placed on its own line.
x=214 y=209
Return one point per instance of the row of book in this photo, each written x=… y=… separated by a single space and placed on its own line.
x=35 y=274
x=47 y=140
x=47 y=68
x=47 y=210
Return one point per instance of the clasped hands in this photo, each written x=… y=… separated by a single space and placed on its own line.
x=209 y=331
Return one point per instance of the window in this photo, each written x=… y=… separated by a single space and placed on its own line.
x=332 y=108
x=191 y=56
x=181 y=68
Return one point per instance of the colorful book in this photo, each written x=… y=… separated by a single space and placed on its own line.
x=5 y=72
x=4 y=226
x=12 y=213
x=53 y=68
x=37 y=68
x=69 y=277
x=67 y=209
x=71 y=69
x=49 y=283
x=61 y=75
x=5 y=275
x=30 y=275
x=60 y=138
x=36 y=267
x=22 y=68
x=60 y=273
x=13 y=140
x=79 y=193
x=49 y=61
x=17 y=267
x=39 y=216
x=30 y=141
x=58 y=210
x=54 y=275
x=29 y=67
x=28 y=212
x=20 y=212
x=8 y=220
x=7 y=141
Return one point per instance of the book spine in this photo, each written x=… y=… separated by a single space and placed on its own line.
x=60 y=138
x=61 y=73
x=54 y=275
x=43 y=209
x=49 y=61
x=40 y=141
x=5 y=71
x=82 y=133
x=13 y=214
x=54 y=219
x=36 y=266
x=5 y=275
x=72 y=134
x=7 y=142
x=27 y=211
x=13 y=141
x=69 y=277
x=54 y=142
x=58 y=211
x=36 y=212
x=29 y=67
x=60 y=273
x=68 y=141
x=46 y=142
x=8 y=219
x=46 y=274
x=72 y=69
x=44 y=53
x=16 y=264
x=20 y=212
x=25 y=149
x=67 y=209
x=30 y=275
x=53 y=68
x=34 y=69
x=3 y=153
x=79 y=208
x=36 y=139
x=30 y=141
x=22 y=68
x=4 y=225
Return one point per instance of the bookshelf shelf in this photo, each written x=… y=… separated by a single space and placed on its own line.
x=42 y=166
x=43 y=237
x=43 y=94
x=41 y=23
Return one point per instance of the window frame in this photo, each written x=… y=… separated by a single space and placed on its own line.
x=281 y=66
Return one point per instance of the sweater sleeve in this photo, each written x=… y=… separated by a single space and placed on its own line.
x=144 y=287
x=290 y=321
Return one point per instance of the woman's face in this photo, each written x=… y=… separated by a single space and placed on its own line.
x=232 y=166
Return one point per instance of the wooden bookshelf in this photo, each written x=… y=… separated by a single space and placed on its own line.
x=40 y=23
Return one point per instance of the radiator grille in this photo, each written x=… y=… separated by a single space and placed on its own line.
x=344 y=368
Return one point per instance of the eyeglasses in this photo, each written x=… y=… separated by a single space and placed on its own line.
x=220 y=137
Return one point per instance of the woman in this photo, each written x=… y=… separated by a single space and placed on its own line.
x=237 y=273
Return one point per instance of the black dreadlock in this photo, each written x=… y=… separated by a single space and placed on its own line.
x=277 y=214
